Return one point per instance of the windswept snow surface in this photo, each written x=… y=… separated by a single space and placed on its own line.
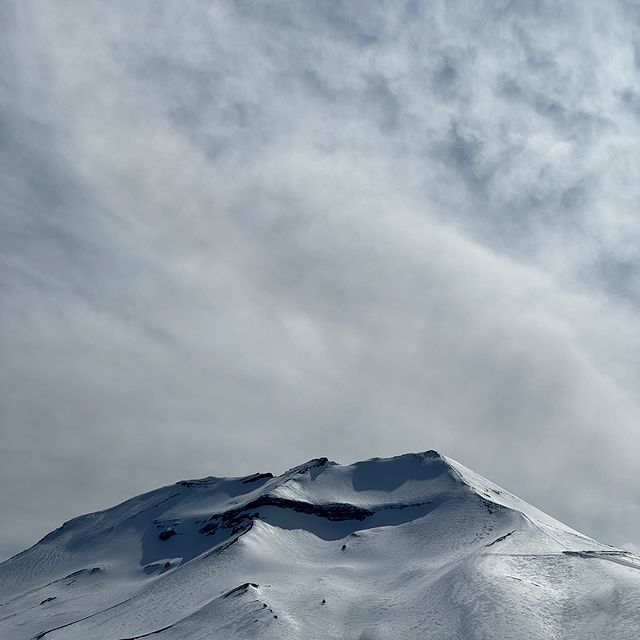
x=415 y=546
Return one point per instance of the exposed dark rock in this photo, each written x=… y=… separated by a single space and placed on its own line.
x=48 y=599
x=307 y=466
x=209 y=529
x=501 y=538
x=257 y=476
x=240 y=589
x=219 y=548
x=599 y=553
x=166 y=534
x=238 y=519
x=201 y=482
x=332 y=511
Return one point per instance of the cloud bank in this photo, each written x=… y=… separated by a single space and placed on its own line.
x=238 y=235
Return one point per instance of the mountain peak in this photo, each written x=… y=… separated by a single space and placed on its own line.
x=384 y=541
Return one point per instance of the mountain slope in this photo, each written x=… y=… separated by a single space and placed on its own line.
x=415 y=546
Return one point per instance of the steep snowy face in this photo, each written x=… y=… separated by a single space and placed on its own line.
x=404 y=547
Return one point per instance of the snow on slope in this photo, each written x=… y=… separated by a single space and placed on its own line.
x=415 y=546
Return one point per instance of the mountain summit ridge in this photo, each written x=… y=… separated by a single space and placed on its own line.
x=380 y=548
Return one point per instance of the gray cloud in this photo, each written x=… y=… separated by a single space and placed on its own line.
x=234 y=236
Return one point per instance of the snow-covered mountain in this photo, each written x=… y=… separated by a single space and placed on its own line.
x=415 y=546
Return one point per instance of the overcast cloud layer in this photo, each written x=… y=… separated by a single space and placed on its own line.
x=238 y=235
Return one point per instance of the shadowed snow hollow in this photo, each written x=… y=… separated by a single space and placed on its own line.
x=415 y=546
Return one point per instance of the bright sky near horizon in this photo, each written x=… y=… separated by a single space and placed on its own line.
x=238 y=235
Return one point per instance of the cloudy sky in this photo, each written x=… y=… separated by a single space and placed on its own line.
x=238 y=235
